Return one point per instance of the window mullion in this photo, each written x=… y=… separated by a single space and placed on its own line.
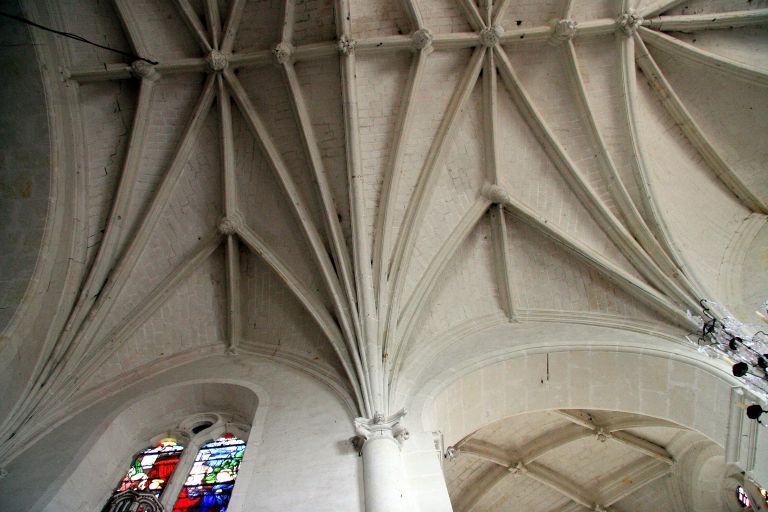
x=179 y=476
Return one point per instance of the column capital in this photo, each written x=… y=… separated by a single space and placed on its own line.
x=382 y=427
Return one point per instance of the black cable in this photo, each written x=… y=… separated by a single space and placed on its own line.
x=75 y=37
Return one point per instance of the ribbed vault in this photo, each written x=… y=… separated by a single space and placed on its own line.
x=338 y=184
x=574 y=460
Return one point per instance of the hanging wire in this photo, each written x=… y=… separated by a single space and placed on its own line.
x=76 y=37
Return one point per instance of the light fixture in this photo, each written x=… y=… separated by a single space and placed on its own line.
x=744 y=347
x=754 y=412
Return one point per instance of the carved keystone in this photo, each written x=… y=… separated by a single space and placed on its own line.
x=490 y=36
x=144 y=70
x=230 y=225
x=422 y=39
x=628 y=22
x=217 y=61
x=497 y=194
x=562 y=31
x=382 y=426
x=346 y=45
x=518 y=469
x=283 y=52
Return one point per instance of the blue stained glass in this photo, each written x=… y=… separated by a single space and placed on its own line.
x=210 y=482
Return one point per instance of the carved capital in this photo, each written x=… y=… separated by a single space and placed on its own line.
x=346 y=45
x=497 y=194
x=628 y=22
x=144 y=70
x=562 y=31
x=422 y=39
x=231 y=224
x=490 y=36
x=217 y=61
x=283 y=52
x=601 y=435
x=3 y=473
x=382 y=427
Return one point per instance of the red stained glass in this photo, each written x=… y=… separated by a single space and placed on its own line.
x=210 y=482
x=152 y=468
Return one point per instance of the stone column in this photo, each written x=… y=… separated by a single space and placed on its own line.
x=382 y=462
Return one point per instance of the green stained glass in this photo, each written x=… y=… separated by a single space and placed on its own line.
x=210 y=482
x=152 y=468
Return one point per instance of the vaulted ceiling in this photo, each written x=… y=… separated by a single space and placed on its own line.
x=344 y=186
x=576 y=460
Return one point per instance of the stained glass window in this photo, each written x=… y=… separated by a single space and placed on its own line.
x=741 y=495
x=152 y=468
x=212 y=478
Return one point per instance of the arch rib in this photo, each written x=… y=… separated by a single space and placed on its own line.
x=659 y=6
x=682 y=49
x=424 y=188
x=621 y=278
x=708 y=21
x=195 y=25
x=417 y=301
x=656 y=221
x=232 y=251
x=639 y=229
x=623 y=240
x=213 y=20
x=131 y=26
x=299 y=209
x=314 y=306
x=382 y=244
x=332 y=226
x=234 y=17
x=691 y=129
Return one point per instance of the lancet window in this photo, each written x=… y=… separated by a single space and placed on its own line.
x=194 y=475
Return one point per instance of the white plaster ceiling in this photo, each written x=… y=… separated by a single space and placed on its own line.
x=346 y=185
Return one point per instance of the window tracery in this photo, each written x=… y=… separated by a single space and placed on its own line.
x=194 y=476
